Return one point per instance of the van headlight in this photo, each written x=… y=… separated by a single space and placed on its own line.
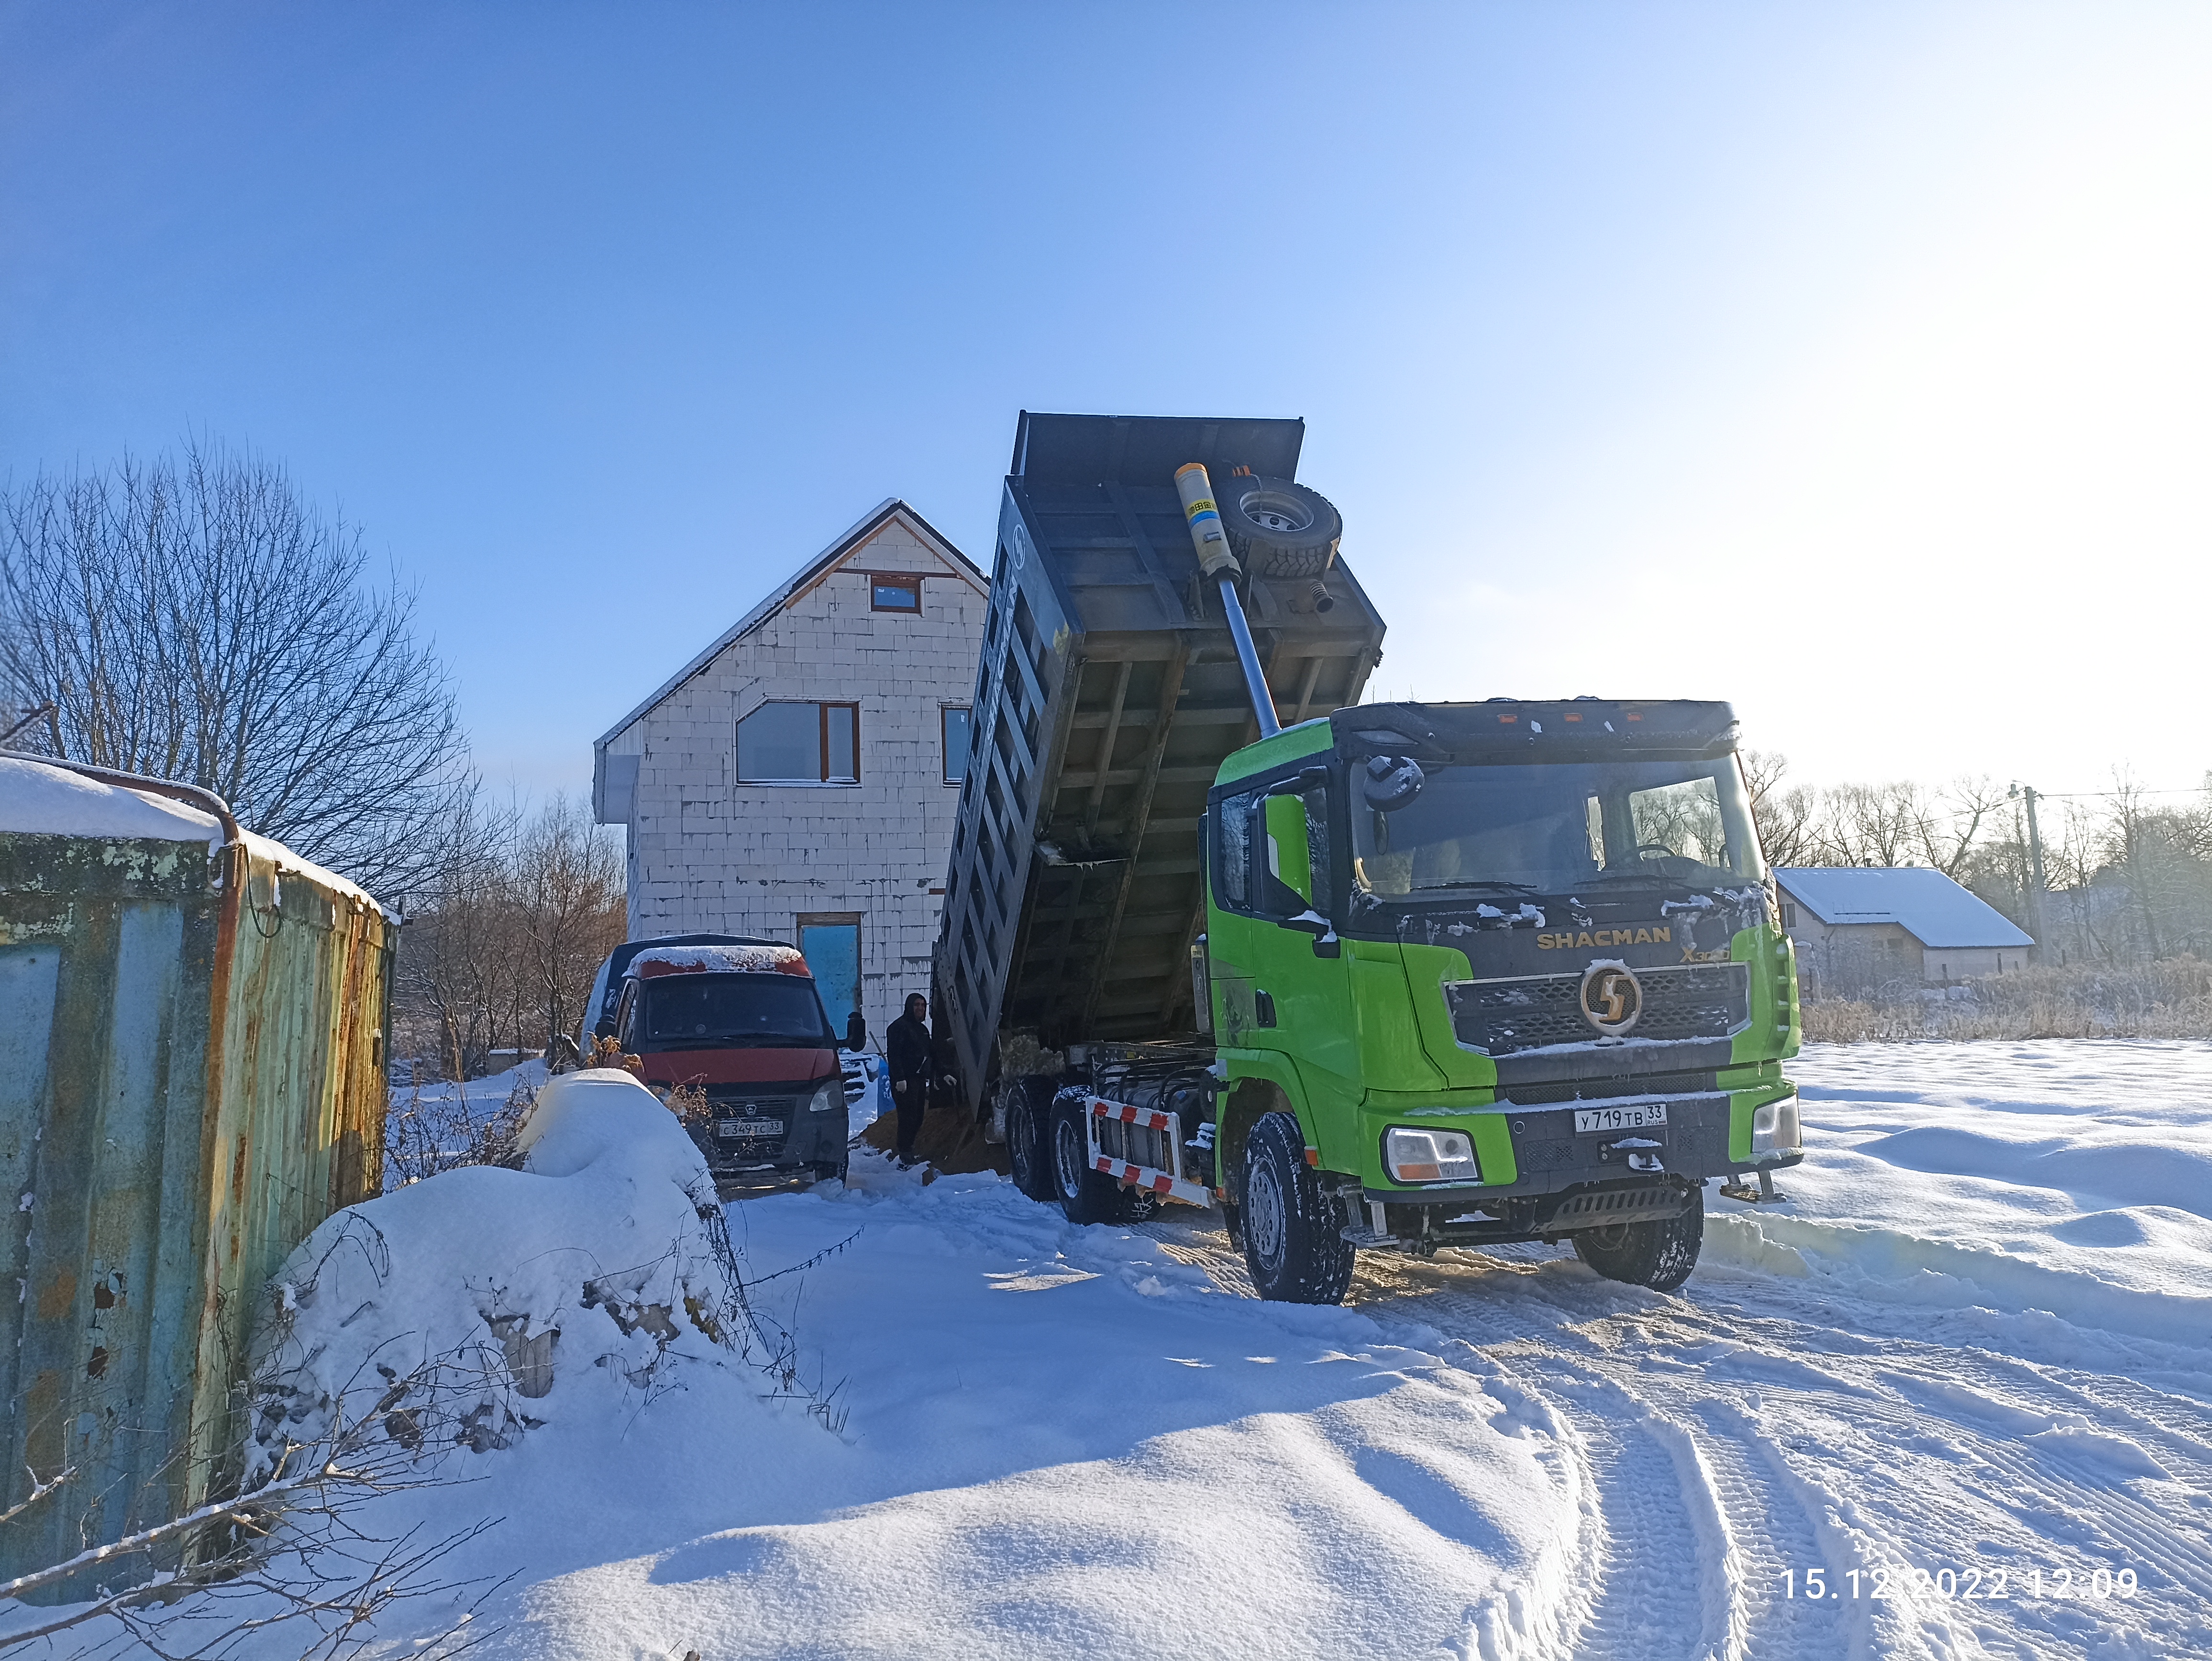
x=828 y=1095
x=1430 y=1156
x=1774 y=1127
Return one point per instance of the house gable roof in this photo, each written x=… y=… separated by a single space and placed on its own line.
x=803 y=581
x=1927 y=905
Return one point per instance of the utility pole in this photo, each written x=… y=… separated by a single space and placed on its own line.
x=2026 y=793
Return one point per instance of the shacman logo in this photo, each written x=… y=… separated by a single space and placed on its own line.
x=1602 y=937
x=1612 y=999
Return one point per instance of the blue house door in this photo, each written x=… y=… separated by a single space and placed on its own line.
x=831 y=946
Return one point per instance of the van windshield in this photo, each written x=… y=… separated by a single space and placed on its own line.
x=717 y=1011
x=1559 y=828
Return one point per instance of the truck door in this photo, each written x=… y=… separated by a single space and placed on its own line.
x=1280 y=980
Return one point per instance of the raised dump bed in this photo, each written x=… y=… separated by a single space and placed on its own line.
x=1109 y=695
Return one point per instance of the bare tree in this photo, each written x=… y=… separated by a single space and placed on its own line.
x=500 y=951
x=192 y=617
x=1787 y=818
x=568 y=884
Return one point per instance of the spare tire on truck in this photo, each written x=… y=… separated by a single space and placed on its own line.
x=1279 y=529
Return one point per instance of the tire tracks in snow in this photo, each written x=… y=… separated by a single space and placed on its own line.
x=1754 y=1427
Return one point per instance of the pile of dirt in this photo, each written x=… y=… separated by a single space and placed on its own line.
x=950 y=1139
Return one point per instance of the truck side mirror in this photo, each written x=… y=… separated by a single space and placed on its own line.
x=856 y=1032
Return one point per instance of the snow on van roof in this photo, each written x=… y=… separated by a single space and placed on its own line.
x=718 y=960
x=41 y=799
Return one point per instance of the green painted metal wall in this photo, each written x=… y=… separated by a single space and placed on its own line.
x=191 y=1079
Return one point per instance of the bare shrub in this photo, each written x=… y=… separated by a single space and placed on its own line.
x=426 y=1133
x=2169 y=999
x=288 y=1550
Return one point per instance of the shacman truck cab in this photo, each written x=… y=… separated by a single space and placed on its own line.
x=1449 y=974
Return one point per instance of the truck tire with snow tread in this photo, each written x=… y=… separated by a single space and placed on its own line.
x=1029 y=1117
x=1279 y=529
x=1294 y=1243
x=1658 y=1255
x=1083 y=1194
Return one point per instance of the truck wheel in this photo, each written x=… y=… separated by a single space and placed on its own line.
x=1278 y=529
x=1293 y=1244
x=1658 y=1255
x=1027 y=1121
x=1085 y=1194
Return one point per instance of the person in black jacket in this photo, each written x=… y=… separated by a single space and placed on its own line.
x=906 y=1049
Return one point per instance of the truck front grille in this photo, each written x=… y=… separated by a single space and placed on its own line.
x=1531 y=1012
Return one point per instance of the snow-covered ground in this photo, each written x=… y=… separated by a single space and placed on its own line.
x=1976 y=1347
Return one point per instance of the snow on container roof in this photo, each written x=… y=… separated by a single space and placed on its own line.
x=39 y=799
x=718 y=960
x=1927 y=905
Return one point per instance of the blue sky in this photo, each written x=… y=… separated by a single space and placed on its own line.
x=1847 y=360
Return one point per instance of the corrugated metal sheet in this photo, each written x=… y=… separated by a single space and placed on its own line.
x=191 y=1079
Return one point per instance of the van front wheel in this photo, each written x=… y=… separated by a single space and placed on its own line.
x=1294 y=1244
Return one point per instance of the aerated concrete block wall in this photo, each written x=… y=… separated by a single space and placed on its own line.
x=709 y=853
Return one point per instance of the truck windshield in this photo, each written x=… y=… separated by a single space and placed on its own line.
x=1560 y=827
x=717 y=1012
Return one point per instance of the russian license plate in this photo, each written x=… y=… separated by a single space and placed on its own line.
x=1639 y=1116
x=749 y=1126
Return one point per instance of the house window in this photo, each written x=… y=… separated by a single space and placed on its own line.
x=891 y=593
x=957 y=720
x=800 y=744
x=1788 y=915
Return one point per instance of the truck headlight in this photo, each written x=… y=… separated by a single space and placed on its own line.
x=828 y=1095
x=1774 y=1127
x=1430 y=1156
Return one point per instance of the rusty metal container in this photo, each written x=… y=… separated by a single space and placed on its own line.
x=191 y=1077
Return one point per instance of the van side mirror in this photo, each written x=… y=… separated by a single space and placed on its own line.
x=856 y=1032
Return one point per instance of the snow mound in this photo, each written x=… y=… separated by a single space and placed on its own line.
x=479 y=1304
x=42 y=801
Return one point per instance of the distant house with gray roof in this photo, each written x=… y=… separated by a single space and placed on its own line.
x=1856 y=924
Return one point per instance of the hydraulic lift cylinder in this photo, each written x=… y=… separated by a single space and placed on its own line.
x=1215 y=560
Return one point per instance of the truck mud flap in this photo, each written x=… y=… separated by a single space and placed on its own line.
x=1598 y=1207
x=1139 y=1147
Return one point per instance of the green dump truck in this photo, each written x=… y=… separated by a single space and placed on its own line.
x=1385 y=975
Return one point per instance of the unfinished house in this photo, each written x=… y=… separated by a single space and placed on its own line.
x=797 y=779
